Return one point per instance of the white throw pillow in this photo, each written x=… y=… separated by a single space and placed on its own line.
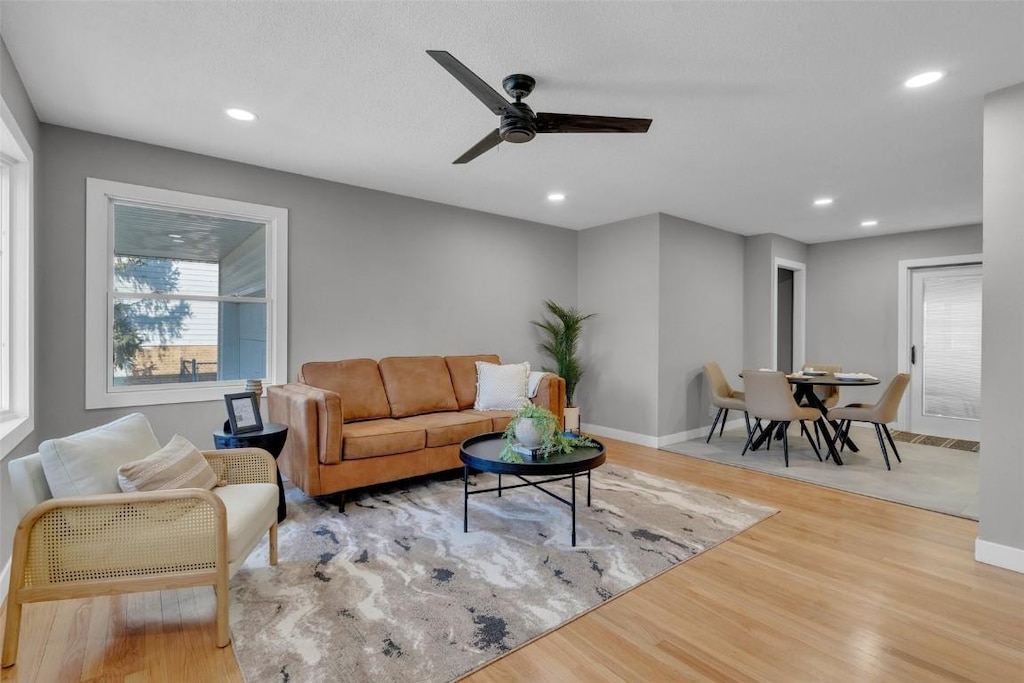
x=178 y=465
x=501 y=387
x=86 y=463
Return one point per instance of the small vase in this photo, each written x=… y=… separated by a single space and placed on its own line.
x=256 y=387
x=527 y=433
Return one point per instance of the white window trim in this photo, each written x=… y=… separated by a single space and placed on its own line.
x=19 y=420
x=99 y=276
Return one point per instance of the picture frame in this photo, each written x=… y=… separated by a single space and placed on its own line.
x=243 y=412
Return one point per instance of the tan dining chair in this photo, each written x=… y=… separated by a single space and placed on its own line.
x=879 y=414
x=769 y=397
x=723 y=397
x=829 y=395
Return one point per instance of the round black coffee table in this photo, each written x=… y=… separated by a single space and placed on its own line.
x=483 y=453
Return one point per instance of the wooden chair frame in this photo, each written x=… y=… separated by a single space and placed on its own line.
x=110 y=544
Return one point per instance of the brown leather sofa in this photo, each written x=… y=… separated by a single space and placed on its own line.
x=353 y=423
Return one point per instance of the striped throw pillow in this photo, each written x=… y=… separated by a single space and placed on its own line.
x=178 y=465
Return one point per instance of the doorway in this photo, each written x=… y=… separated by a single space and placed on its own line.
x=788 y=317
x=784 y=330
x=945 y=351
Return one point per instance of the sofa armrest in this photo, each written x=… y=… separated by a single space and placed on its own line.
x=551 y=395
x=314 y=417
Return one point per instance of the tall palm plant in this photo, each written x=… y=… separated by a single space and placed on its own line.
x=561 y=342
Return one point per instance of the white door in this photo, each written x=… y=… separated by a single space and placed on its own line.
x=945 y=370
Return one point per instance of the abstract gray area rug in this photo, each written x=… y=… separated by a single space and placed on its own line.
x=930 y=477
x=393 y=590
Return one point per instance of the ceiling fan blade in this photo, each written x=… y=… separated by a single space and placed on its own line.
x=476 y=85
x=582 y=123
x=489 y=141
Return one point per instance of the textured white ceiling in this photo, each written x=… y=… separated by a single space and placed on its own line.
x=758 y=107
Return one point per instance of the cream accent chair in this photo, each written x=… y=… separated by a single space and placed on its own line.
x=723 y=397
x=768 y=397
x=879 y=414
x=113 y=543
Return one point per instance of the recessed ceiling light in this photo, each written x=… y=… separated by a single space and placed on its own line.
x=174 y=237
x=240 y=114
x=868 y=224
x=823 y=201
x=178 y=241
x=556 y=197
x=927 y=78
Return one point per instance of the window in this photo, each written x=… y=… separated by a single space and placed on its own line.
x=16 y=369
x=186 y=295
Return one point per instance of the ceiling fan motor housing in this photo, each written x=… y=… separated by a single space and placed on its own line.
x=517 y=124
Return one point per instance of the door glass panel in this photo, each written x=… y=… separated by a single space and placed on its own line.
x=952 y=346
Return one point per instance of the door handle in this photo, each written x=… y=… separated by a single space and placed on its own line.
x=913 y=354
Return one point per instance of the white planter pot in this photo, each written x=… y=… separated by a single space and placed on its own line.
x=527 y=433
x=572 y=419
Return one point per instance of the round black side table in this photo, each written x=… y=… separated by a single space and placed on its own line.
x=271 y=439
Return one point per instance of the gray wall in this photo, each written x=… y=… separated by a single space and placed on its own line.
x=757 y=323
x=700 y=318
x=1002 y=466
x=853 y=298
x=618 y=280
x=370 y=273
x=16 y=99
x=759 y=280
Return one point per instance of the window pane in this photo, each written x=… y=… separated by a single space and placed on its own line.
x=176 y=252
x=160 y=341
x=952 y=342
x=5 y=288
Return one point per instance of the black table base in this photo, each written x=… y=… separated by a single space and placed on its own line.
x=526 y=482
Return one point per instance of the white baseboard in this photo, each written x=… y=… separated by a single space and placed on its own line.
x=655 y=441
x=621 y=435
x=5 y=581
x=998 y=555
x=699 y=432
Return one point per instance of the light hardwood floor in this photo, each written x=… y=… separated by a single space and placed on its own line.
x=836 y=587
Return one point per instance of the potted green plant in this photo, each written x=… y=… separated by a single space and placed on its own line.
x=536 y=427
x=561 y=337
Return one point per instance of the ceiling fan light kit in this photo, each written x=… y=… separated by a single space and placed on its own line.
x=518 y=122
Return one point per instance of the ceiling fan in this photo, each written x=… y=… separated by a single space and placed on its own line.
x=518 y=122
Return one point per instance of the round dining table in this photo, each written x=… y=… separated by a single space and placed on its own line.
x=803 y=392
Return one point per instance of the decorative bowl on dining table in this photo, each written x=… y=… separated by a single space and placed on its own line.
x=854 y=376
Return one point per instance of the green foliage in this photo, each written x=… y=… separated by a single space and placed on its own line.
x=561 y=343
x=135 y=319
x=554 y=440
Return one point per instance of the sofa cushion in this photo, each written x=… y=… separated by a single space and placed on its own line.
x=499 y=418
x=356 y=381
x=380 y=437
x=251 y=509
x=446 y=429
x=86 y=463
x=463 y=373
x=417 y=385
